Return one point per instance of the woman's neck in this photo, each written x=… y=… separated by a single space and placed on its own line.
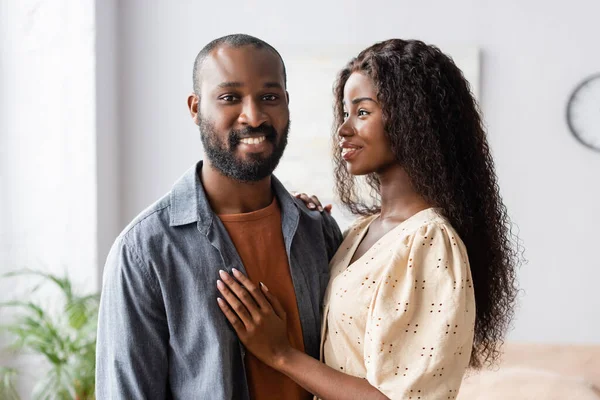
x=399 y=199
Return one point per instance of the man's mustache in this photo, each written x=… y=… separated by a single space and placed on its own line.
x=265 y=129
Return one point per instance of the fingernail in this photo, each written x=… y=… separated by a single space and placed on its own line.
x=222 y=273
x=311 y=205
x=320 y=208
x=264 y=287
x=235 y=271
x=220 y=284
x=219 y=300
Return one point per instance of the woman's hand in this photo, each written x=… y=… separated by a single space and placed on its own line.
x=312 y=202
x=256 y=315
x=260 y=322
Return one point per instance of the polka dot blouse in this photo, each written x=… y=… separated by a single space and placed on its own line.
x=402 y=315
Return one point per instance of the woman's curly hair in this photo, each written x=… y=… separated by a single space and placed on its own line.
x=435 y=130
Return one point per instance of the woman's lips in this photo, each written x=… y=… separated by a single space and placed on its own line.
x=349 y=150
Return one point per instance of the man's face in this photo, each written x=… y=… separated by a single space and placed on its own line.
x=242 y=111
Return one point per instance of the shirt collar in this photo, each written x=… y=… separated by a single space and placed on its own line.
x=189 y=203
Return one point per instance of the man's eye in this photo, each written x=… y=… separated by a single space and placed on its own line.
x=228 y=98
x=270 y=97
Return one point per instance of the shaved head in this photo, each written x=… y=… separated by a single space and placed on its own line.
x=235 y=41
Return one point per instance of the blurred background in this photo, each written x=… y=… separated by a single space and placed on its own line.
x=94 y=127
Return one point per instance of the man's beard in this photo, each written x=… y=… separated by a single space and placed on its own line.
x=222 y=155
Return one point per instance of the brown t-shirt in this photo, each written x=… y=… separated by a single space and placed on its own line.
x=258 y=238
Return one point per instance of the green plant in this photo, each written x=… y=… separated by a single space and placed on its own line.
x=66 y=340
x=7 y=385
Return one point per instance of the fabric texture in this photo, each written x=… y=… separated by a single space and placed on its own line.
x=161 y=333
x=402 y=315
x=258 y=239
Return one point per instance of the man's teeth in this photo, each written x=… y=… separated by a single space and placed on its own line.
x=255 y=140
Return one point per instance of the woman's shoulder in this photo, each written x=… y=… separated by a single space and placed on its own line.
x=427 y=229
x=429 y=219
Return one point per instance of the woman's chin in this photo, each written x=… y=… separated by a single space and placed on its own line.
x=357 y=169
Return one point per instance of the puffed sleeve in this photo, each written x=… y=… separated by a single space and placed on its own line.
x=421 y=318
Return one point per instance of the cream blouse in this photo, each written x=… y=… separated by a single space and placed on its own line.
x=402 y=315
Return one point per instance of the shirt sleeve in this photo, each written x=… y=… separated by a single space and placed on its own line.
x=131 y=350
x=421 y=318
x=333 y=235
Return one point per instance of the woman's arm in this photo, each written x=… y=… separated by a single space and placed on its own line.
x=324 y=381
x=260 y=322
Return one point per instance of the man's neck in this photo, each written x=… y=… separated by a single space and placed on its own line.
x=229 y=196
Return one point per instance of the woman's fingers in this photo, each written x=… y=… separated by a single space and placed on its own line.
x=308 y=201
x=241 y=293
x=312 y=202
x=235 y=304
x=232 y=317
x=254 y=291
x=316 y=202
x=277 y=307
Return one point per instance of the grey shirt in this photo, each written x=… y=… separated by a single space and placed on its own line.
x=161 y=334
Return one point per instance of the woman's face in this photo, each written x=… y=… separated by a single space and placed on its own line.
x=363 y=142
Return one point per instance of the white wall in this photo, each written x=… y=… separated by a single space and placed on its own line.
x=47 y=137
x=107 y=139
x=533 y=53
x=48 y=165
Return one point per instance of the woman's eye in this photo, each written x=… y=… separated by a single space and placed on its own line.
x=345 y=114
x=362 y=112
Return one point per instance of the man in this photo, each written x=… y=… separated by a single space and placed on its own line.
x=161 y=333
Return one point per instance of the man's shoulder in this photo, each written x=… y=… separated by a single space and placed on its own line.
x=152 y=219
x=321 y=221
x=176 y=208
x=323 y=217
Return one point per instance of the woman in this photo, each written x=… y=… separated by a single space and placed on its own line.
x=424 y=283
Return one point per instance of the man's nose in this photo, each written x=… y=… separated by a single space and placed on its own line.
x=252 y=114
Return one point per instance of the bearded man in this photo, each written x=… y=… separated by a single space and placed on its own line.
x=161 y=334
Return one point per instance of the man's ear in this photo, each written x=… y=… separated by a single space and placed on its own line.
x=287 y=96
x=193 y=101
